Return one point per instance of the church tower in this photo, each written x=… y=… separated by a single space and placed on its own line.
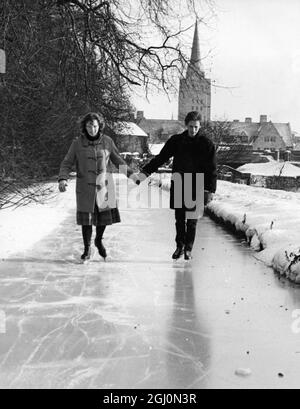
x=195 y=89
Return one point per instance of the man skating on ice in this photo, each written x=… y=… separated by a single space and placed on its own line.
x=193 y=153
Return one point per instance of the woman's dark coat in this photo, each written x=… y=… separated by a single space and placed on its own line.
x=190 y=155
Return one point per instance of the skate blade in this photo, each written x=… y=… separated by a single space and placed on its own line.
x=84 y=262
x=182 y=264
x=178 y=263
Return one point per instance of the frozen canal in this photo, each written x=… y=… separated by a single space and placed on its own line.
x=141 y=321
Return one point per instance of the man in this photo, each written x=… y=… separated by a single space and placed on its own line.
x=193 y=153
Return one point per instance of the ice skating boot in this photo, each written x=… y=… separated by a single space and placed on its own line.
x=187 y=255
x=101 y=248
x=178 y=253
x=86 y=235
x=86 y=254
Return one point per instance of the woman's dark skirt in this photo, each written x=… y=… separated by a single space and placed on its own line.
x=103 y=218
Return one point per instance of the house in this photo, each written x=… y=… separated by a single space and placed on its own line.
x=195 y=95
x=159 y=130
x=262 y=135
x=129 y=137
x=296 y=140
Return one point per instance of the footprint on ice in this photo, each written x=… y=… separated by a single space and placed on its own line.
x=243 y=372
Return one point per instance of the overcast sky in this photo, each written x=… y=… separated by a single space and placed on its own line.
x=255 y=54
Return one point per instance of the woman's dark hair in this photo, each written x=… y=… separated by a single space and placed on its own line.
x=92 y=116
x=192 y=116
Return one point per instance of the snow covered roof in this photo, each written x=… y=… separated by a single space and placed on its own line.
x=129 y=128
x=167 y=126
x=285 y=132
x=236 y=128
x=272 y=168
x=252 y=129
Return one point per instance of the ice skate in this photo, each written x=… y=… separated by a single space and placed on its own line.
x=101 y=249
x=187 y=255
x=177 y=253
x=86 y=256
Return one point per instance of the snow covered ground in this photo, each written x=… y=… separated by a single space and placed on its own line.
x=23 y=227
x=270 y=220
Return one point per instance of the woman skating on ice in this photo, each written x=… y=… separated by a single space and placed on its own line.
x=91 y=152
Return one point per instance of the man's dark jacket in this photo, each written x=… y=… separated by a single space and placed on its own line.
x=190 y=155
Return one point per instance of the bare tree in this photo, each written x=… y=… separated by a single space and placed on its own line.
x=138 y=40
x=231 y=150
x=66 y=57
x=14 y=194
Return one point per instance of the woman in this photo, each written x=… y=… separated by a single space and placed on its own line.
x=91 y=152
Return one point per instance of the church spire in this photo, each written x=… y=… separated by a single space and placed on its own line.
x=195 y=88
x=195 y=56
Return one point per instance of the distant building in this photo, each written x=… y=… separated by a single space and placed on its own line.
x=129 y=137
x=262 y=135
x=296 y=140
x=195 y=95
x=195 y=89
x=159 y=130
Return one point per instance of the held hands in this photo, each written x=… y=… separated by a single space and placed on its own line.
x=62 y=185
x=138 y=178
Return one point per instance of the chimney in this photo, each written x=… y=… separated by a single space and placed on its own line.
x=248 y=120
x=263 y=118
x=139 y=115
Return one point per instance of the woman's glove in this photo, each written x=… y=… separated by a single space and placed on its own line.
x=62 y=185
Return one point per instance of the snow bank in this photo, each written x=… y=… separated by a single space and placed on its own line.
x=21 y=228
x=272 y=168
x=269 y=220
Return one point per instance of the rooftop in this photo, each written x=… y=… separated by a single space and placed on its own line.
x=129 y=128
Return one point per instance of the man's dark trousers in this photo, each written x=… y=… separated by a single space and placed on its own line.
x=185 y=230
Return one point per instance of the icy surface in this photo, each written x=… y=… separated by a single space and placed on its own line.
x=139 y=320
x=270 y=220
